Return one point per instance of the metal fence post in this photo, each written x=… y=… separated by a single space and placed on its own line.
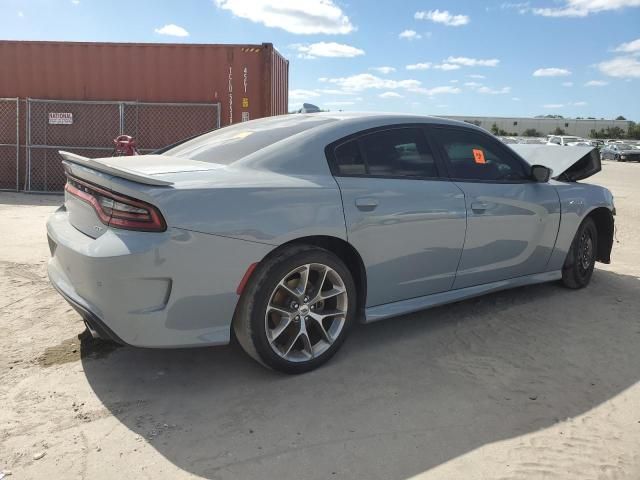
x=121 y=111
x=27 y=176
x=17 y=144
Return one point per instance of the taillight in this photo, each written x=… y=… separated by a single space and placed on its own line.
x=117 y=210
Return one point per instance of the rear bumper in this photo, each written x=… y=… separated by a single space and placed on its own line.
x=94 y=324
x=170 y=289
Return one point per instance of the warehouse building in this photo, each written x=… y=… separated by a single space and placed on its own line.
x=80 y=96
x=518 y=125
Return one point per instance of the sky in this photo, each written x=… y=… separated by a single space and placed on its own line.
x=467 y=57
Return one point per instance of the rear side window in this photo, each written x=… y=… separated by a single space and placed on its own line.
x=348 y=159
x=400 y=152
x=471 y=156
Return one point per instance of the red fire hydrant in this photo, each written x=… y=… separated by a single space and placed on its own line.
x=125 y=146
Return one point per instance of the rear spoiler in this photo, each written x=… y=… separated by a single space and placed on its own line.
x=119 y=171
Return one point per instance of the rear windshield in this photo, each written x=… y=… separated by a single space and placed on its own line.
x=232 y=143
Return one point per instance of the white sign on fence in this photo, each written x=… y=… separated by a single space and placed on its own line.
x=60 y=118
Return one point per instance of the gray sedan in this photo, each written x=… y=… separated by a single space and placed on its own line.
x=289 y=229
x=620 y=152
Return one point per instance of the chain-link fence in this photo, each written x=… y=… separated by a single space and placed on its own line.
x=9 y=143
x=89 y=128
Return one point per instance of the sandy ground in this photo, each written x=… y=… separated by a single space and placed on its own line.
x=538 y=382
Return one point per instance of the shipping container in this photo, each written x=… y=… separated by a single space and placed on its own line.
x=249 y=81
x=82 y=95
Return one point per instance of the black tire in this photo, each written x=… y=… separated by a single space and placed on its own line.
x=581 y=259
x=249 y=320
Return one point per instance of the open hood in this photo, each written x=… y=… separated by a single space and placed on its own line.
x=568 y=164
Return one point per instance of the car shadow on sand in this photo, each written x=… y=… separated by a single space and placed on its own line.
x=402 y=396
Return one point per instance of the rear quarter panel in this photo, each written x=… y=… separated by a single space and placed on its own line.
x=247 y=204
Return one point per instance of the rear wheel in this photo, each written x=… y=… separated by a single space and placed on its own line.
x=581 y=259
x=297 y=309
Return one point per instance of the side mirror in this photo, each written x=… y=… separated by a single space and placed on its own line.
x=540 y=173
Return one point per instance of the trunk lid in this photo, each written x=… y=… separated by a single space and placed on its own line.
x=103 y=173
x=568 y=164
x=140 y=168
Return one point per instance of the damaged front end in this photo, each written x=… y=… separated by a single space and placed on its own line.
x=568 y=164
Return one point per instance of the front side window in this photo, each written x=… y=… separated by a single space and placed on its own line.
x=471 y=156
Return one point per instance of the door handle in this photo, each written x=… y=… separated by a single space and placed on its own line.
x=366 y=204
x=479 y=206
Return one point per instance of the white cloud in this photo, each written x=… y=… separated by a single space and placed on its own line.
x=480 y=77
x=363 y=81
x=567 y=84
x=419 y=66
x=473 y=62
x=383 y=70
x=443 y=17
x=308 y=17
x=551 y=72
x=436 y=90
x=493 y=91
x=75 y=2
x=331 y=91
x=596 y=83
x=390 y=95
x=327 y=49
x=339 y=104
x=453 y=81
x=582 y=8
x=472 y=84
x=21 y=14
x=445 y=89
x=172 y=30
x=446 y=66
x=580 y=104
x=629 y=47
x=301 y=94
x=454 y=63
x=553 y=105
x=410 y=35
x=521 y=7
x=515 y=99
x=621 y=67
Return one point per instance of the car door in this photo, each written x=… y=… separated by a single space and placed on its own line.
x=406 y=221
x=512 y=221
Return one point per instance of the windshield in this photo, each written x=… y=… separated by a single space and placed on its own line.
x=572 y=139
x=230 y=144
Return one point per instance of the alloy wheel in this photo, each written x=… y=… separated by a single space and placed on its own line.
x=306 y=312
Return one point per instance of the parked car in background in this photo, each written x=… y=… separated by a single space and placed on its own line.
x=563 y=140
x=621 y=152
x=287 y=230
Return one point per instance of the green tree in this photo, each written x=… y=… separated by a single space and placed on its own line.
x=620 y=117
x=634 y=131
x=531 y=132
x=558 y=131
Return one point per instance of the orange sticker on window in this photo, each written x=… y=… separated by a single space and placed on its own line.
x=478 y=156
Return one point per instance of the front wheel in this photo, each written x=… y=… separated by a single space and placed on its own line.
x=297 y=309
x=581 y=259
